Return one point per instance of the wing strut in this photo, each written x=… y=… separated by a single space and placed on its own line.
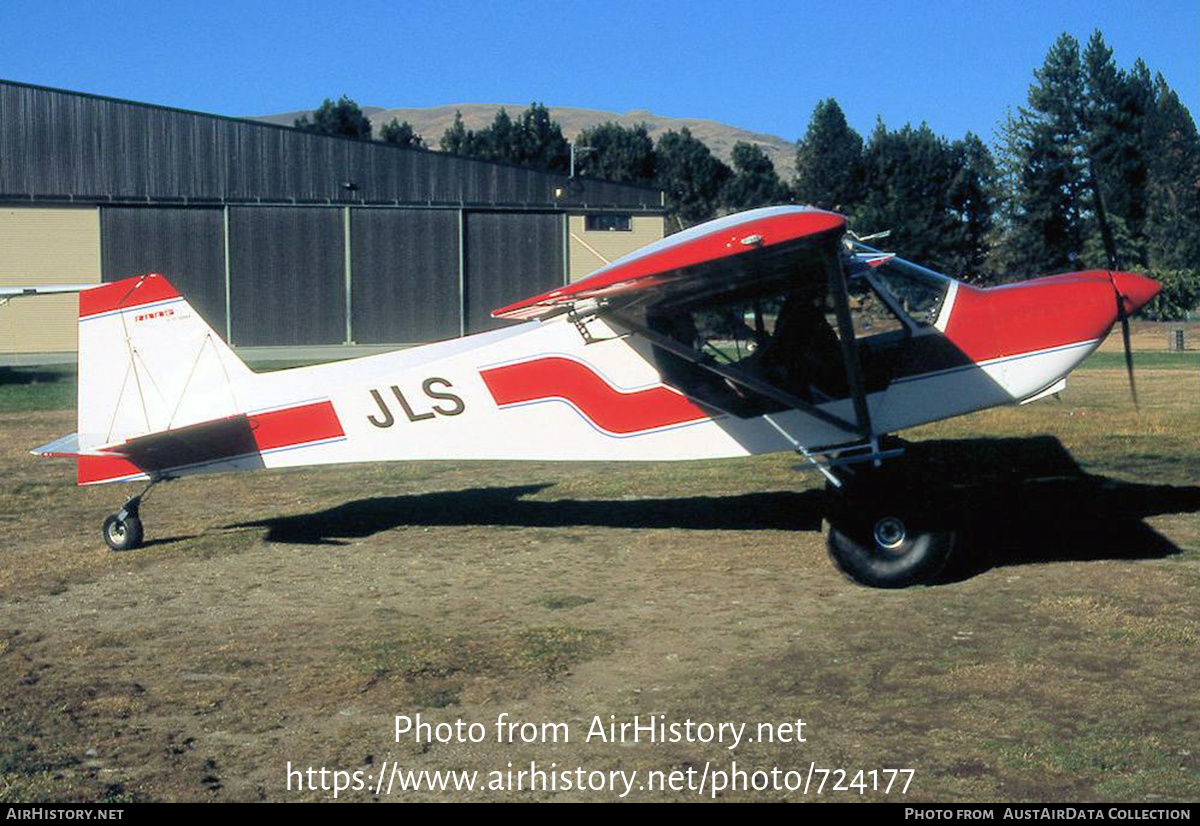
x=841 y=305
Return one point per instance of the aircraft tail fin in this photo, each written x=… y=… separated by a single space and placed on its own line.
x=149 y=363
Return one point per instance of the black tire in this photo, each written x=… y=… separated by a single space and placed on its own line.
x=886 y=550
x=122 y=534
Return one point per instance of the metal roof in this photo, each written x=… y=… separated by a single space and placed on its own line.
x=58 y=145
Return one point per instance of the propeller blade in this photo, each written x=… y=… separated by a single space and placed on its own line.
x=1129 y=359
x=1123 y=317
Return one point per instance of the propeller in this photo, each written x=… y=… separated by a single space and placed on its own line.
x=1110 y=249
x=1124 y=319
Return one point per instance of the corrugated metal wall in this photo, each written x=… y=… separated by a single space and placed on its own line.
x=287 y=276
x=509 y=257
x=56 y=145
x=169 y=182
x=185 y=244
x=288 y=268
x=405 y=275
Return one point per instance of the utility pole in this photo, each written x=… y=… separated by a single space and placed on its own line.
x=582 y=151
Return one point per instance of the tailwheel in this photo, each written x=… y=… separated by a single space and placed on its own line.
x=123 y=530
x=123 y=533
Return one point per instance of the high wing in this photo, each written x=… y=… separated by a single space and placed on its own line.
x=762 y=246
x=750 y=253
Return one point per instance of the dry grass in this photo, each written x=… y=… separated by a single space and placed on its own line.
x=289 y=616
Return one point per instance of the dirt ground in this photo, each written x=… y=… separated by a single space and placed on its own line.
x=289 y=617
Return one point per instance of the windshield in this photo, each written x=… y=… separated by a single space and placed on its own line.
x=918 y=292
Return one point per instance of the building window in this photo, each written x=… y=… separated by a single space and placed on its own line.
x=608 y=223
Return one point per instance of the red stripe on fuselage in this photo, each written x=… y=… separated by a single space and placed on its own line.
x=126 y=293
x=606 y=407
x=295 y=426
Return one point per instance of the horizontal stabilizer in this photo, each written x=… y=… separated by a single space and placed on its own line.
x=197 y=448
x=192 y=445
x=66 y=447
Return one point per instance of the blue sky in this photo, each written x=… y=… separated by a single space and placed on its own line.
x=762 y=66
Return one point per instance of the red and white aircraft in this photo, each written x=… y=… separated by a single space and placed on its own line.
x=769 y=330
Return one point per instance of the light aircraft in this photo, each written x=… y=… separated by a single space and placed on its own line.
x=769 y=330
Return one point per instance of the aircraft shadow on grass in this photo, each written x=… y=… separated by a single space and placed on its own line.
x=1012 y=501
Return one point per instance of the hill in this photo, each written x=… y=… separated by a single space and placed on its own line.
x=719 y=137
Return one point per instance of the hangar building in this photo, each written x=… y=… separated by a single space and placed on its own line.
x=282 y=238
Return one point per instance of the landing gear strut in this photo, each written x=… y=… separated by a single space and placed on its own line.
x=123 y=530
x=884 y=531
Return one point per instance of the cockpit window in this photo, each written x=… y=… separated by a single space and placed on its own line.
x=918 y=292
x=783 y=339
x=870 y=315
x=784 y=332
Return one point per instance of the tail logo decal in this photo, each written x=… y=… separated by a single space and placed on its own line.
x=155 y=314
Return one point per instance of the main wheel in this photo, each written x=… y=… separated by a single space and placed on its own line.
x=884 y=549
x=123 y=534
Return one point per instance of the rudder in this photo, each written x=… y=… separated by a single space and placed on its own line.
x=148 y=363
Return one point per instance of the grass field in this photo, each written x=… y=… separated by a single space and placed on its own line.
x=289 y=616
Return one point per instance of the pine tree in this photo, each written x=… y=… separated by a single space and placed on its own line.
x=533 y=140
x=1172 y=227
x=934 y=195
x=615 y=153
x=905 y=175
x=1115 y=126
x=496 y=142
x=401 y=134
x=690 y=176
x=539 y=143
x=1045 y=170
x=343 y=118
x=971 y=198
x=754 y=182
x=829 y=161
x=1090 y=129
x=457 y=138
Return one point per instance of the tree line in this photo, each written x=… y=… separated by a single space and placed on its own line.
x=1089 y=135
